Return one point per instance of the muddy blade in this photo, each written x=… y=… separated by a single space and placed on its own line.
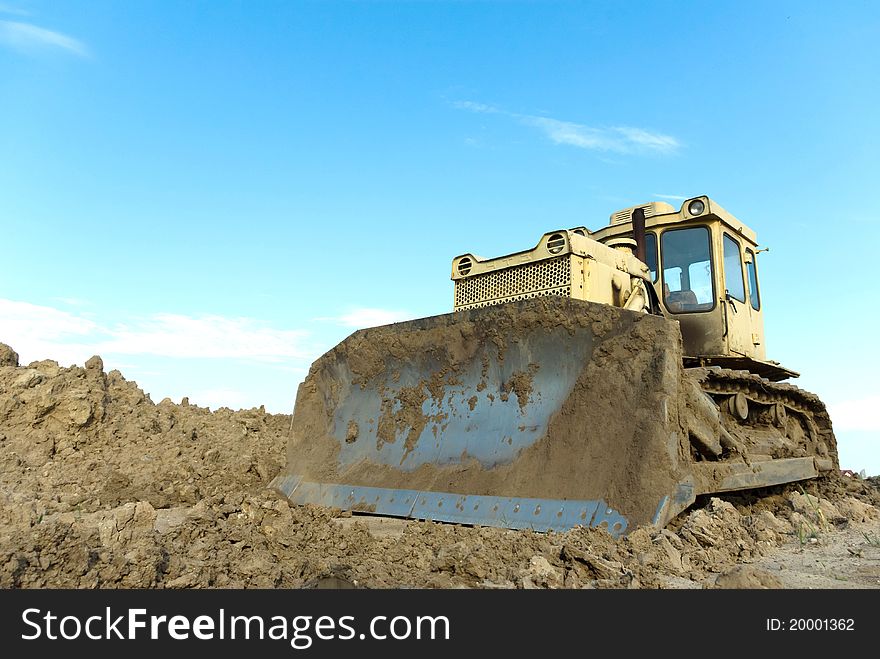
x=545 y=414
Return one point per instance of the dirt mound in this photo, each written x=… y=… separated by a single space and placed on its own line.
x=102 y=487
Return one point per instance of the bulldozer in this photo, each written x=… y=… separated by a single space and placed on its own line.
x=603 y=378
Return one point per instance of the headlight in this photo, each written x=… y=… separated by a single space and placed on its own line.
x=696 y=207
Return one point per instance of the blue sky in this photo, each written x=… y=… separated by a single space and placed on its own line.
x=212 y=194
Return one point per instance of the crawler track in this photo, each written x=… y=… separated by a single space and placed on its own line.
x=778 y=420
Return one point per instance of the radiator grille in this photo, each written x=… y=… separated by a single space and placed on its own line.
x=548 y=277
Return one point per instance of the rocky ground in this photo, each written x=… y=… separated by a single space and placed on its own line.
x=100 y=487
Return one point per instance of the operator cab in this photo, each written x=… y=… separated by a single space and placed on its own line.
x=703 y=267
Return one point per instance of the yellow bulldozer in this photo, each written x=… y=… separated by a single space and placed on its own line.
x=602 y=379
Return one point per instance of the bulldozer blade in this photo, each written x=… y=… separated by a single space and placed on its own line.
x=547 y=414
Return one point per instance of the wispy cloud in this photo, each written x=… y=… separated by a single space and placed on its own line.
x=476 y=107
x=37 y=332
x=25 y=319
x=858 y=414
x=647 y=139
x=215 y=360
x=673 y=197
x=618 y=139
x=40 y=332
x=211 y=337
x=28 y=38
x=566 y=132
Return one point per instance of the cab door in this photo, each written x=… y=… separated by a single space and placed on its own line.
x=758 y=350
x=736 y=311
x=688 y=286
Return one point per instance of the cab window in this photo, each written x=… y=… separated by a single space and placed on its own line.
x=733 y=273
x=687 y=270
x=651 y=254
x=754 y=296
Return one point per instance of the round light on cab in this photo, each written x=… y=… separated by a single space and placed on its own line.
x=696 y=207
